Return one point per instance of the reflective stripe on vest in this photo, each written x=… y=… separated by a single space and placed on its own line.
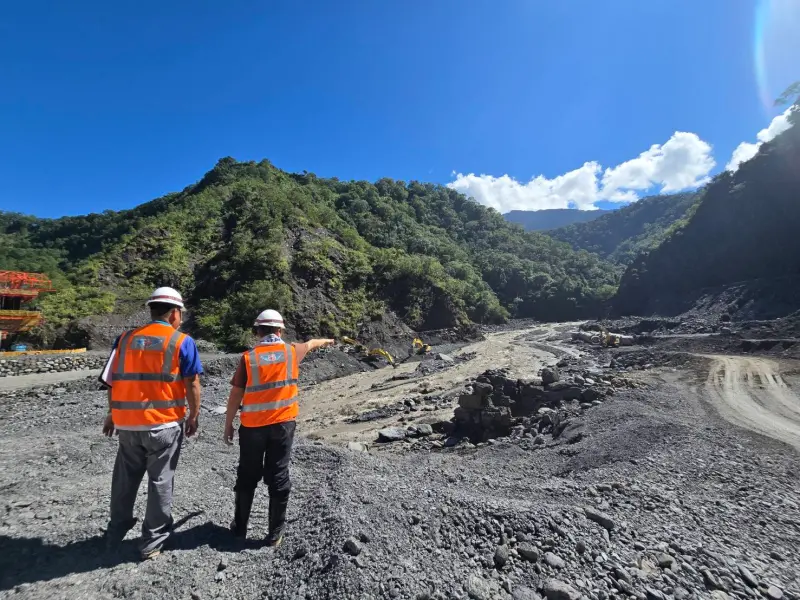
x=146 y=386
x=271 y=393
x=144 y=405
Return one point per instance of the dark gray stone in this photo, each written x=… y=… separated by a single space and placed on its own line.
x=554 y=561
x=589 y=395
x=528 y=552
x=747 y=576
x=711 y=581
x=470 y=401
x=550 y=375
x=525 y=593
x=501 y=556
x=601 y=518
x=653 y=594
x=482 y=389
x=558 y=590
x=353 y=547
x=665 y=561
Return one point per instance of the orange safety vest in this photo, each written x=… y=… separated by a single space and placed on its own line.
x=146 y=385
x=271 y=393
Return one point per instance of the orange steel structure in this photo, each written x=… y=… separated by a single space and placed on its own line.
x=17 y=289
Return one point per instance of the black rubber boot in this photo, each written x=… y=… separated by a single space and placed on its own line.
x=277 y=518
x=241 y=515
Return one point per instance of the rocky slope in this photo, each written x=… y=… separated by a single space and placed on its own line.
x=744 y=230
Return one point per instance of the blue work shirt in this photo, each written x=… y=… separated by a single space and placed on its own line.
x=189 y=358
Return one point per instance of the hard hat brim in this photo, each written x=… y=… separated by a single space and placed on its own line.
x=268 y=324
x=165 y=300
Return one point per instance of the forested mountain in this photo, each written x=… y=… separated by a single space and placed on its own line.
x=744 y=228
x=620 y=235
x=330 y=254
x=542 y=220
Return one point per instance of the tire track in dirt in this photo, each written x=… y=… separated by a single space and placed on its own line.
x=751 y=393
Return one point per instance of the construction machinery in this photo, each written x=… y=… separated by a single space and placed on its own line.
x=420 y=347
x=18 y=289
x=366 y=353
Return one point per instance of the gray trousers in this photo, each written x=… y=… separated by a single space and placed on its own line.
x=155 y=453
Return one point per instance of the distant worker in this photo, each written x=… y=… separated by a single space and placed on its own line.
x=265 y=386
x=153 y=372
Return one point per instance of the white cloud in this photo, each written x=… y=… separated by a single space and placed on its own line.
x=577 y=188
x=744 y=152
x=747 y=150
x=684 y=161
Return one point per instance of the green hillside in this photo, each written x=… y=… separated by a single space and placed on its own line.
x=330 y=254
x=620 y=235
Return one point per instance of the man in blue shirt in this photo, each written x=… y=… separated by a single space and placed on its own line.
x=149 y=391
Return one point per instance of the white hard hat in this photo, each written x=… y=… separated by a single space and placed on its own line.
x=269 y=318
x=166 y=295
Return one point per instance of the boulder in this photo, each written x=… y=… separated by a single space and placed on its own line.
x=571 y=393
x=480 y=388
x=424 y=430
x=528 y=552
x=391 y=434
x=471 y=401
x=550 y=375
x=589 y=395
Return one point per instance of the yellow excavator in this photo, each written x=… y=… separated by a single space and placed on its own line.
x=420 y=347
x=366 y=352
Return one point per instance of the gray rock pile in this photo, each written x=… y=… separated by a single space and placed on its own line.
x=495 y=405
x=54 y=363
x=436 y=363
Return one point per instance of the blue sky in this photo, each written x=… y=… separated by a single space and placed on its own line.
x=104 y=105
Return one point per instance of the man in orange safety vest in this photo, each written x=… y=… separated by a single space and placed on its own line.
x=265 y=387
x=153 y=373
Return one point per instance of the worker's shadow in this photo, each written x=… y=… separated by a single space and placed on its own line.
x=29 y=560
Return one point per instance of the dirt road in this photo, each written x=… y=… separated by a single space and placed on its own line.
x=751 y=393
x=19 y=382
